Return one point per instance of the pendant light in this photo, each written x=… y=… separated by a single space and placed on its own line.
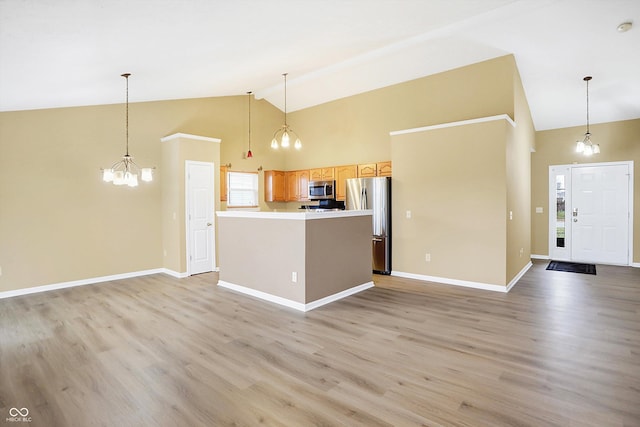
x=285 y=132
x=125 y=171
x=585 y=146
x=249 y=154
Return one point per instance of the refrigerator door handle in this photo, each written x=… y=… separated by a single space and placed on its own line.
x=363 y=199
x=377 y=239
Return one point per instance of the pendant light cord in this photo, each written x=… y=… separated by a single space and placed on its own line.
x=586 y=79
x=249 y=96
x=126 y=76
x=285 y=99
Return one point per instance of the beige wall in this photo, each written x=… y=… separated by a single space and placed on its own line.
x=453 y=181
x=520 y=143
x=356 y=129
x=619 y=141
x=59 y=222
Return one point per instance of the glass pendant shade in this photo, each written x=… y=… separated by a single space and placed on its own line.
x=297 y=145
x=284 y=142
x=274 y=144
x=107 y=175
x=146 y=174
x=249 y=154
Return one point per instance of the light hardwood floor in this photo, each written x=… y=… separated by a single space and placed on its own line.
x=560 y=349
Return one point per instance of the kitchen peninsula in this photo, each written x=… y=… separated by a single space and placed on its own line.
x=298 y=259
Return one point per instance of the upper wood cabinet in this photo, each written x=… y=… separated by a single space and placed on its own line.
x=223 y=183
x=297 y=183
x=303 y=183
x=315 y=174
x=342 y=174
x=384 y=168
x=321 y=174
x=367 y=170
x=274 y=186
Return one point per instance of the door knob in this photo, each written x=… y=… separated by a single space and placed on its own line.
x=575 y=219
x=209 y=224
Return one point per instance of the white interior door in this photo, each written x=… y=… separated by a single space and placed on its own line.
x=200 y=214
x=600 y=214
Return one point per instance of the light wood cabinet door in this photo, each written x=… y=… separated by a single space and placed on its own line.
x=291 y=185
x=303 y=185
x=315 y=174
x=274 y=189
x=321 y=174
x=342 y=174
x=384 y=168
x=297 y=185
x=223 y=183
x=367 y=170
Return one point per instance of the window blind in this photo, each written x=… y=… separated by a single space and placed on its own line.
x=242 y=189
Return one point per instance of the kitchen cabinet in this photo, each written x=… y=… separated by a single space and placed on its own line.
x=342 y=174
x=297 y=183
x=384 y=168
x=274 y=186
x=303 y=185
x=223 y=183
x=367 y=170
x=321 y=174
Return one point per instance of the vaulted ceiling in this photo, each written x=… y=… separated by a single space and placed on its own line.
x=59 y=53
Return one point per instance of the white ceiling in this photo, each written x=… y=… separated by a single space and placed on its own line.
x=59 y=53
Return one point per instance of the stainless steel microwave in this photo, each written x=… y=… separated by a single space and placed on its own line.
x=322 y=190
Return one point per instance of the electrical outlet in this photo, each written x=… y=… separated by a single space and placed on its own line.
x=521 y=252
x=408 y=214
x=427 y=257
x=0 y=271
x=294 y=277
x=539 y=209
x=510 y=215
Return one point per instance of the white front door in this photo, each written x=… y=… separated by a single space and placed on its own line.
x=200 y=213
x=600 y=214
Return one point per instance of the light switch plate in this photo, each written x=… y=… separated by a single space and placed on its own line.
x=539 y=209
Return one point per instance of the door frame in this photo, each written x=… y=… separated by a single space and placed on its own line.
x=569 y=207
x=187 y=206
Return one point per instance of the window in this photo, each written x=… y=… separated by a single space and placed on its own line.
x=243 y=189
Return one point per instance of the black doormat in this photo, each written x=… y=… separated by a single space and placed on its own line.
x=572 y=267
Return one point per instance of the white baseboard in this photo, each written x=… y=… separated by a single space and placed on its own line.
x=293 y=304
x=81 y=282
x=466 y=283
x=635 y=264
x=519 y=275
x=447 y=281
x=539 y=256
x=175 y=274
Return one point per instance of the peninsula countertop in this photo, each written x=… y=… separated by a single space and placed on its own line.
x=299 y=214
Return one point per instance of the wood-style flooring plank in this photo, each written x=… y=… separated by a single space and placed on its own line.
x=560 y=349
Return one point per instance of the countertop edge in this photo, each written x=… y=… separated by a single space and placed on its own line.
x=303 y=216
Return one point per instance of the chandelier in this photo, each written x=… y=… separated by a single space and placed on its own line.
x=285 y=132
x=125 y=171
x=585 y=146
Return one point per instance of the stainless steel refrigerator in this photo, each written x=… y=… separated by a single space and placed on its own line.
x=374 y=194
